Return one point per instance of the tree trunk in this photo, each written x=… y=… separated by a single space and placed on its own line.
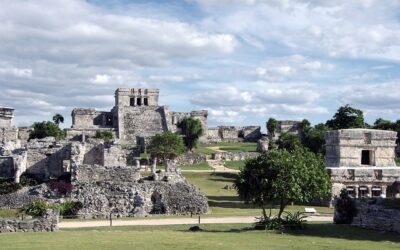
x=281 y=207
x=264 y=212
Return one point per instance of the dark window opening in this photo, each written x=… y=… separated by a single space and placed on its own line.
x=376 y=191
x=351 y=191
x=132 y=102
x=146 y=102
x=363 y=192
x=378 y=174
x=109 y=120
x=139 y=101
x=366 y=157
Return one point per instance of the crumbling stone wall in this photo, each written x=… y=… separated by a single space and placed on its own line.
x=234 y=156
x=93 y=173
x=233 y=134
x=191 y=158
x=47 y=223
x=376 y=217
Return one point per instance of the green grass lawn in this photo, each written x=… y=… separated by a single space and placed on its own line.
x=197 y=166
x=237 y=165
x=226 y=236
x=9 y=213
x=227 y=146
x=225 y=202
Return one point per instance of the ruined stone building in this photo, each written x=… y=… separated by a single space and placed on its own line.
x=362 y=161
x=232 y=134
x=135 y=117
x=286 y=126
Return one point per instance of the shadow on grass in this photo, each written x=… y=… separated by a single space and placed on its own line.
x=323 y=230
x=226 y=175
x=223 y=198
x=229 y=204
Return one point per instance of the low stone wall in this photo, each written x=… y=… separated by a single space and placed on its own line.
x=92 y=173
x=191 y=158
x=234 y=156
x=376 y=217
x=47 y=223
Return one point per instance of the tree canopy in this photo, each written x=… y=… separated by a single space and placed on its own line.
x=166 y=146
x=314 y=138
x=58 y=118
x=347 y=117
x=45 y=129
x=271 y=126
x=288 y=141
x=191 y=130
x=280 y=177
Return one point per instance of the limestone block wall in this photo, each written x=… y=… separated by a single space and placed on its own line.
x=234 y=156
x=6 y=117
x=141 y=122
x=124 y=96
x=47 y=223
x=344 y=147
x=251 y=133
x=190 y=158
x=376 y=217
x=6 y=167
x=116 y=174
x=90 y=118
x=8 y=134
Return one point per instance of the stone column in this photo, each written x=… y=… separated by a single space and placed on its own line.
x=137 y=162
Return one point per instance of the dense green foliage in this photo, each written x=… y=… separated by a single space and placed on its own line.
x=166 y=146
x=271 y=126
x=57 y=119
x=347 y=117
x=288 y=141
x=36 y=208
x=280 y=177
x=314 y=138
x=68 y=208
x=344 y=208
x=105 y=135
x=191 y=131
x=45 y=129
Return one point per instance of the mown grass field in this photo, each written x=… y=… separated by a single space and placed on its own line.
x=225 y=202
x=197 y=166
x=237 y=165
x=226 y=236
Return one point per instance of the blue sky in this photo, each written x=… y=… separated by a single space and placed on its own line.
x=243 y=60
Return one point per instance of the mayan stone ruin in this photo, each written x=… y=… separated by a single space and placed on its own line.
x=362 y=161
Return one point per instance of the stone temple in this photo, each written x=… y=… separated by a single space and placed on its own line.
x=135 y=117
x=361 y=161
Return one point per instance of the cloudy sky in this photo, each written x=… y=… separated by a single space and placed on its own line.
x=243 y=60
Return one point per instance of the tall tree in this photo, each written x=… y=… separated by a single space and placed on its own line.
x=191 y=130
x=288 y=141
x=58 y=118
x=166 y=146
x=271 y=126
x=314 y=138
x=280 y=177
x=347 y=117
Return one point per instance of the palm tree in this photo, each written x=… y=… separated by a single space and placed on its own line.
x=57 y=118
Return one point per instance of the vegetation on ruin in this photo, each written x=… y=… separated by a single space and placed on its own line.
x=213 y=236
x=191 y=130
x=280 y=177
x=288 y=141
x=46 y=129
x=67 y=208
x=166 y=146
x=271 y=126
x=104 y=135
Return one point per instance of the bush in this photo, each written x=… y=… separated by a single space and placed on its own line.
x=46 y=129
x=70 y=208
x=28 y=180
x=36 y=208
x=8 y=186
x=345 y=209
x=289 y=221
x=60 y=187
x=105 y=135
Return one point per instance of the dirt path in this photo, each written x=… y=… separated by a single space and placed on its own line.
x=218 y=165
x=172 y=221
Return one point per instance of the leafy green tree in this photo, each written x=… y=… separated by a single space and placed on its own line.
x=166 y=146
x=347 y=117
x=305 y=124
x=191 y=130
x=57 y=119
x=281 y=177
x=45 y=129
x=314 y=138
x=271 y=126
x=288 y=141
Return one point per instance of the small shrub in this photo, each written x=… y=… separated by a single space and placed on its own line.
x=61 y=187
x=291 y=221
x=70 y=208
x=36 y=208
x=105 y=135
x=345 y=209
x=28 y=180
x=294 y=220
x=8 y=186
